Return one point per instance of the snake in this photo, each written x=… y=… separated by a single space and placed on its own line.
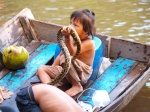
x=68 y=58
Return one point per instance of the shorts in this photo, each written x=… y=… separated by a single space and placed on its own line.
x=26 y=102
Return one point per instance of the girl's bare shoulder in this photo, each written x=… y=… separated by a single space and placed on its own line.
x=88 y=41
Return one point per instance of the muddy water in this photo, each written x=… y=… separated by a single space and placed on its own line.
x=128 y=19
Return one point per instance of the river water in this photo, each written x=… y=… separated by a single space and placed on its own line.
x=128 y=19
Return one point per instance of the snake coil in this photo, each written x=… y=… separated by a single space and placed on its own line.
x=68 y=59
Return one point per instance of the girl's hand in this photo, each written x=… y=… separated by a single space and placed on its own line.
x=65 y=31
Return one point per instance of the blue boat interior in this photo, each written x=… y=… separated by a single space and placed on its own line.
x=109 y=79
x=40 y=56
x=45 y=53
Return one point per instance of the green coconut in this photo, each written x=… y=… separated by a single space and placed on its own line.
x=15 y=57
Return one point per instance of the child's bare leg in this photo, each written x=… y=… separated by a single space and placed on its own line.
x=47 y=73
x=76 y=87
x=43 y=76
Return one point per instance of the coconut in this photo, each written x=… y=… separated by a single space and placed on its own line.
x=15 y=57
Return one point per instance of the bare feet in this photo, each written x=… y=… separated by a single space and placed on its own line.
x=74 y=90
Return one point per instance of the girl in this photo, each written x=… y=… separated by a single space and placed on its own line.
x=84 y=24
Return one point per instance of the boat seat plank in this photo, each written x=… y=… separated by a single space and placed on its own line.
x=109 y=79
x=128 y=80
x=40 y=56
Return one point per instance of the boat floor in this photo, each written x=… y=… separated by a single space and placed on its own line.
x=116 y=79
x=40 y=54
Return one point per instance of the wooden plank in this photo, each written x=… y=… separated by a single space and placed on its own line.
x=33 y=46
x=11 y=101
x=129 y=49
x=112 y=76
x=3 y=72
x=12 y=33
x=127 y=81
x=30 y=48
x=26 y=27
x=127 y=96
x=12 y=30
x=45 y=31
x=114 y=73
x=124 y=48
x=3 y=39
x=40 y=57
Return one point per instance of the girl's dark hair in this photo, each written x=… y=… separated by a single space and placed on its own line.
x=87 y=18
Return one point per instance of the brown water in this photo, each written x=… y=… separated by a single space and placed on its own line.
x=128 y=19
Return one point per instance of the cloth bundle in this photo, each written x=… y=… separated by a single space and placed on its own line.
x=4 y=93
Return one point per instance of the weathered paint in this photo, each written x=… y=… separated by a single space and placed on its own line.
x=41 y=56
x=110 y=78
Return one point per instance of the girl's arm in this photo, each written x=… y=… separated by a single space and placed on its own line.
x=57 y=60
x=69 y=41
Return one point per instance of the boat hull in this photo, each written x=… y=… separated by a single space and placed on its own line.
x=33 y=34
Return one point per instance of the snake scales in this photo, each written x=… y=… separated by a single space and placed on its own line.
x=68 y=59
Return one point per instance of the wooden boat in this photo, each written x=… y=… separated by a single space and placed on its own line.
x=126 y=75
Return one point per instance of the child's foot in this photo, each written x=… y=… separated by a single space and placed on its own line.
x=74 y=90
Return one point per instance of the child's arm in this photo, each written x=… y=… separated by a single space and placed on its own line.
x=57 y=60
x=69 y=41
